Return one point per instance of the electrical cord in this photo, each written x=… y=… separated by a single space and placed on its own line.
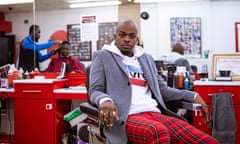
x=9 y=121
x=5 y=110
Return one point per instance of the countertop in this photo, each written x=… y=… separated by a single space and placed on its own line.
x=36 y=81
x=217 y=83
x=6 y=90
x=76 y=92
x=76 y=89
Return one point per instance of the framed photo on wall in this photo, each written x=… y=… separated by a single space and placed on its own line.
x=105 y=34
x=187 y=31
x=226 y=62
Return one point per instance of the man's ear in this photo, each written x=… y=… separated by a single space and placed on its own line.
x=59 y=51
x=114 y=36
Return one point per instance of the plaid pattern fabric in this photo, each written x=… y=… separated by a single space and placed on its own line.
x=155 y=128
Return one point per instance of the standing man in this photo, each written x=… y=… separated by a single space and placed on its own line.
x=130 y=96
x=30 y=55
x=56 y=64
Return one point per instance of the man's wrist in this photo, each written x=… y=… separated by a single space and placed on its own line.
x=195 y=96
x=104 y=100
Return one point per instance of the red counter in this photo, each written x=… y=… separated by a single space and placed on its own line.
x=206 y=89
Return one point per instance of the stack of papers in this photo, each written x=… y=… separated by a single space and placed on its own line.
x=223 y=78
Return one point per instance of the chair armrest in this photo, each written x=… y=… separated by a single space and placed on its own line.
x=89 y=109
x=176 y=105
x=191 y=106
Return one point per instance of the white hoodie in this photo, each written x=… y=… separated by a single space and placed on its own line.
x=174 y=56
x=142 y=100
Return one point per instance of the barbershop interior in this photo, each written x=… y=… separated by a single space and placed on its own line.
x=195 y=46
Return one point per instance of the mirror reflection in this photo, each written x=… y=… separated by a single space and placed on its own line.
x=55 y=19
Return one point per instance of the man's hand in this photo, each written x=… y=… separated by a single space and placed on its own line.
x=58 y=42
x=107 y=113
x=199 y=100
x=54 y=51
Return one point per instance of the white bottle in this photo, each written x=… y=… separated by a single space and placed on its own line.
x=20 y=73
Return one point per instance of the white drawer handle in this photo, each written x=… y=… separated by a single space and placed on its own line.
x=213 y=94
x=32 y=91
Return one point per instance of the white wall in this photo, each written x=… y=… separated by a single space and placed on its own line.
x=217 y=20
x=50 y=21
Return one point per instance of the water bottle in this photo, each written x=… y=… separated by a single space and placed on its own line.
x=186 y=81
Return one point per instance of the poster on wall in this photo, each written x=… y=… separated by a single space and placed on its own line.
x=187 y=31
x=106 y=33
x=89 y=28
x=80 y=49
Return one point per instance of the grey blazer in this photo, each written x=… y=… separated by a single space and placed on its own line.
x=108 y=78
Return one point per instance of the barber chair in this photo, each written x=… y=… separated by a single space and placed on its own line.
x=95 y=133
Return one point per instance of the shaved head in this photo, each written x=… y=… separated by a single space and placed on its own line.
x=126 y=37
x=126 y=22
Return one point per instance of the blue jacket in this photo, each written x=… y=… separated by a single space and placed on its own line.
x=30 y=55
x=29 y=43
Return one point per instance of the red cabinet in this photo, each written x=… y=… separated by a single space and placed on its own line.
x=206 y=89
x=38 y=116
x=34 y=121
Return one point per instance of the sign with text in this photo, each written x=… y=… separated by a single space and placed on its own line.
x=89 y=28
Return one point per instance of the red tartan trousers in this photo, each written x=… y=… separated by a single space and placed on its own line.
x=156 y=128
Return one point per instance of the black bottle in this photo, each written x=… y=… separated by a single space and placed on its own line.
x=170 y=76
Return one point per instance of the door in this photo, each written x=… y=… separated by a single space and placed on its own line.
x=34 y=121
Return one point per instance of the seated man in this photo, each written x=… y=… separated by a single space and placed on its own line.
x=56 y=64
x=125 y=86
x=177 y=56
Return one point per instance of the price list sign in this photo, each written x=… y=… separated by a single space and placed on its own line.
x=80 y=49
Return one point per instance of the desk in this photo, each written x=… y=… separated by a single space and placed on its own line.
x=78 y=92
x=206 y=88
x=39 y=108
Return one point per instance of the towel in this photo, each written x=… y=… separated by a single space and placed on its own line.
x=222 y=118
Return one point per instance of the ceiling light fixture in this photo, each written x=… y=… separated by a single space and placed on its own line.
x=86 y=1
x=156 y=1
x=9 y=2
x=95 y=4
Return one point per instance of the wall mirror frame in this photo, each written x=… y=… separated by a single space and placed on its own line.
x=237 y=35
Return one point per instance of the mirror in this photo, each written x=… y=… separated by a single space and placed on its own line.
x=10 y=38
x=237 y=32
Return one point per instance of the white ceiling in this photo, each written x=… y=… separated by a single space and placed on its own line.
x=41 y=5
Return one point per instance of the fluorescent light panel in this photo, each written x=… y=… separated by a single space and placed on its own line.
x=153 y=1
x=94 y=4
x=9 y=2
x=85 y=1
